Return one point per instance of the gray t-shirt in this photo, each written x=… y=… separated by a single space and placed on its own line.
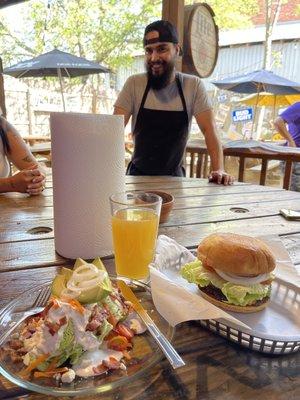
x=168 y=98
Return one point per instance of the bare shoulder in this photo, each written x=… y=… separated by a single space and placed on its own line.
x=6 y=126
x=9 y=129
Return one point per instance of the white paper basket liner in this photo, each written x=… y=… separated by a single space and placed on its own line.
x=178 y=301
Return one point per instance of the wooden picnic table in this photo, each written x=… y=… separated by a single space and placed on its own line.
x=199 y=159
x=215 y=368
x=41 y=148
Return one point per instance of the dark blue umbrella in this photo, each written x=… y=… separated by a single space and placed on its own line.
x=259 y=81
x=55 y=63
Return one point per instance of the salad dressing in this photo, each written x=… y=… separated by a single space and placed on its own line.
x=91 y=359
x=82 y=330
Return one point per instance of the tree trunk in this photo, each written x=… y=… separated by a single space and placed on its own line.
x=272 y=9
x=2 y=94
x=270 y=5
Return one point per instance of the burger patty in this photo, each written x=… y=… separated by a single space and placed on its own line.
x=217 y=294
x=214 y=292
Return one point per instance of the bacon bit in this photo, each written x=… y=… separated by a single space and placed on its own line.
x=126 y=355
x=100 y=369
x=96 y=318
x=49 y=374
x=63 y=321
x=45 y=311
x=32 y=325
x=112 y=363
x=15 y=357
x=55 y=326
x=15 y=344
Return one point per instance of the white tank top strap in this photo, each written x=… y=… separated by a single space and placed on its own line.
x=4 y=164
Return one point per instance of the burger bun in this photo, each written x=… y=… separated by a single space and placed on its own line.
x=236 y=254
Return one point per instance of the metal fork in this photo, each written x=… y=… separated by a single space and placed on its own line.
x=37 y=306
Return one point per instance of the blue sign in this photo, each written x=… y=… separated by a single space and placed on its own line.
x=245 y=114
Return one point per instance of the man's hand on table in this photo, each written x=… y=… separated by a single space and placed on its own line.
x=220 y=177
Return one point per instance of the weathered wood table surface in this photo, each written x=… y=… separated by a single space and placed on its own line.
x=215 y=368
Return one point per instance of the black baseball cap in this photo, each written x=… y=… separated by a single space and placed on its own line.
x=166 y=32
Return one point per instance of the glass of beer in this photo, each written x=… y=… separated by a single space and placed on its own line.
x=135 y=218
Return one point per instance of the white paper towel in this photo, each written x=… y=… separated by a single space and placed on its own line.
x=88 y=166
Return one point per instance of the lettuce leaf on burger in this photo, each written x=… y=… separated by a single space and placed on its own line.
x=233 y=272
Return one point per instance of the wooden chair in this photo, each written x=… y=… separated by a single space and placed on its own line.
x=197 y=162
x=42 y=152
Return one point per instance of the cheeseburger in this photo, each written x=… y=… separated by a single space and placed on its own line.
x=233 y=272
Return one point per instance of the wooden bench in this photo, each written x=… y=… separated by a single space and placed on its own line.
x=198 y=165
x=33 y=139
x=42 y=151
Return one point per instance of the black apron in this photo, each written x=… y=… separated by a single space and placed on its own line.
x=160 y=139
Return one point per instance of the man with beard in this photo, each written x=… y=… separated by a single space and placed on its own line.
x=162 y=103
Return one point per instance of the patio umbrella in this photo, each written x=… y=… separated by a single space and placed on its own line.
x=259 y=81
x=55 y=63
x=270 y=100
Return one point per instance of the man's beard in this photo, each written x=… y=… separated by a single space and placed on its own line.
x=158 y=82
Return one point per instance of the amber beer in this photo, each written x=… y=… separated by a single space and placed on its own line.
x=134 y=227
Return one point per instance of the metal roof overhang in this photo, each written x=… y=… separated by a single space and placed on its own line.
x=6 y=3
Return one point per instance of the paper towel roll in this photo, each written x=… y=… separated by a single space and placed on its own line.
x=88 y=164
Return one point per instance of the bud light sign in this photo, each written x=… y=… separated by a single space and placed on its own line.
x=244 y=115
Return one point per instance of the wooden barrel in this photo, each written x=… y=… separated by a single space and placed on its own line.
x=201 y=40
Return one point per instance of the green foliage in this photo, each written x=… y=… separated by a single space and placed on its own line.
x=106 y=31
x=232 y=14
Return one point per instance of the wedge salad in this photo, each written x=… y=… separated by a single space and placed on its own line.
x=86 y=328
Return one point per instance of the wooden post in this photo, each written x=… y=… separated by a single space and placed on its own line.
x=287 y=175
x=2 y=94
x=29 y=112
x=241 y=169
x=173 y=11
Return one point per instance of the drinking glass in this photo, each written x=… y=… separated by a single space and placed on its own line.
x=135 y=218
